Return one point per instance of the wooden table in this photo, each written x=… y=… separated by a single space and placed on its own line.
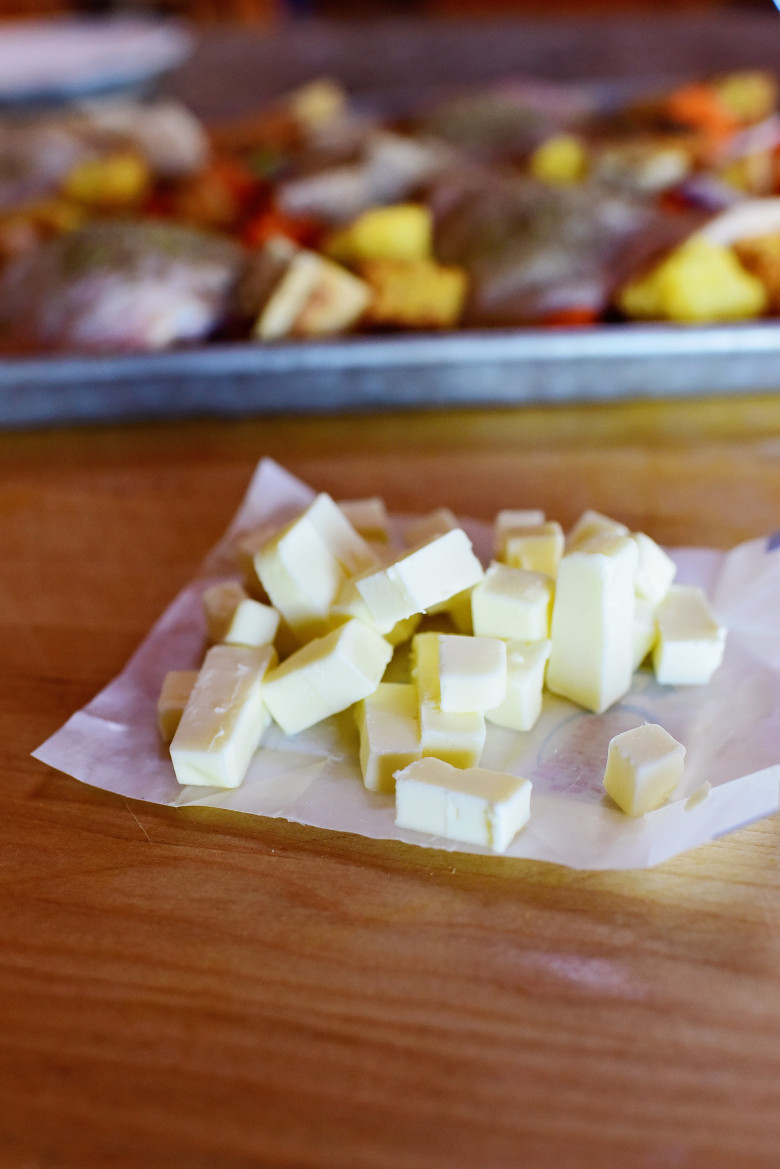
x=207 y=990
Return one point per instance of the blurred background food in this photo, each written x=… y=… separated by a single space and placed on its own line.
x=132 y=218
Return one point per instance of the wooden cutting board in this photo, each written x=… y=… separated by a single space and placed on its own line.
x=209 y=990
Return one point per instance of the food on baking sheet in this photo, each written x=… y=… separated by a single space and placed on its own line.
x=699 y=281
x=523 y=203
x=644 y=766
x=117 y=285
x=427 y=648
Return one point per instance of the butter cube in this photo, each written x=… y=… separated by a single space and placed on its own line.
x=349 y=603
x=350 y=549
x=368 y=517
x=224 y=719
x=426 y=527
x=304 y=565
x=457 y=737
x=458 y=610
x=389 y=732
x=591 y=659
x=474 y=806
x=537 y=549
x=326 y=676
x=510 y=518
x=645 y=630
x=472 y=673
x=246 y=548
x=526 y=663
x=512 y=603
x=416 y=580
x=690 y=641
x=233 y=617
x=593 y=523
x=176 y=689
x=644 y=766
x=655 y=569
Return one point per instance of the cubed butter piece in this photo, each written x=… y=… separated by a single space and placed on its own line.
x=352 y=551
x=425 y=576
x=174 y=695
x=457 y=737
x=690 y=642
x=655 y=569
x=510 y=518
x=349 y=603
x=645 y=630
x=224 y=719
x=535 y=548
x=591 y=659
x=526 y=663
x=644 y=766
x=235 y=618
x=426 y=527
x=326 y=675
x=389 y=732
x=473 y=806
x=304 y=565
x=458 y=610
x=368 y=517
x=472 y=673
x=512 y=603
x=593 y=523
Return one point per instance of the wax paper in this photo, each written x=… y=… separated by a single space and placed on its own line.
x=730 y=728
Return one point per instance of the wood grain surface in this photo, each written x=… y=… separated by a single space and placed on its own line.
x=206 y=990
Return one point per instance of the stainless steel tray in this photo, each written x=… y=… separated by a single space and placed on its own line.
x=491 y=368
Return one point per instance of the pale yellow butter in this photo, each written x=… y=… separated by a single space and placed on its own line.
x=369 y=518
x=389 y=731
x=349 y=603
x=425 y=576
x=690 y=642
x=457 y=737
x=644 y=766
x=645 y=630
x=472 y=805
x=509 y=519
x=472 y=673
x=655 y=569
x=304 y=565
x=526 y=663
x=593 y=523
x=224 y=719
x=174 y=694
x=536 y=549
x=326 y=676
x=235 y=618
x=427 y=527
x=512 y=603
x=592 y=634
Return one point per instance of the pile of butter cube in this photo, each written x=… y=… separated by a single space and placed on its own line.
x=426 y=646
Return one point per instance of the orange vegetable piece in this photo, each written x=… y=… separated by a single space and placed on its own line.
x=700 y=106
x=272 y=222
x=574 y=316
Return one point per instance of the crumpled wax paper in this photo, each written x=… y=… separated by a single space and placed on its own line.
x=731 y=727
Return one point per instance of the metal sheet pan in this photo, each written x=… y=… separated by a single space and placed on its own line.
x=467 y=369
